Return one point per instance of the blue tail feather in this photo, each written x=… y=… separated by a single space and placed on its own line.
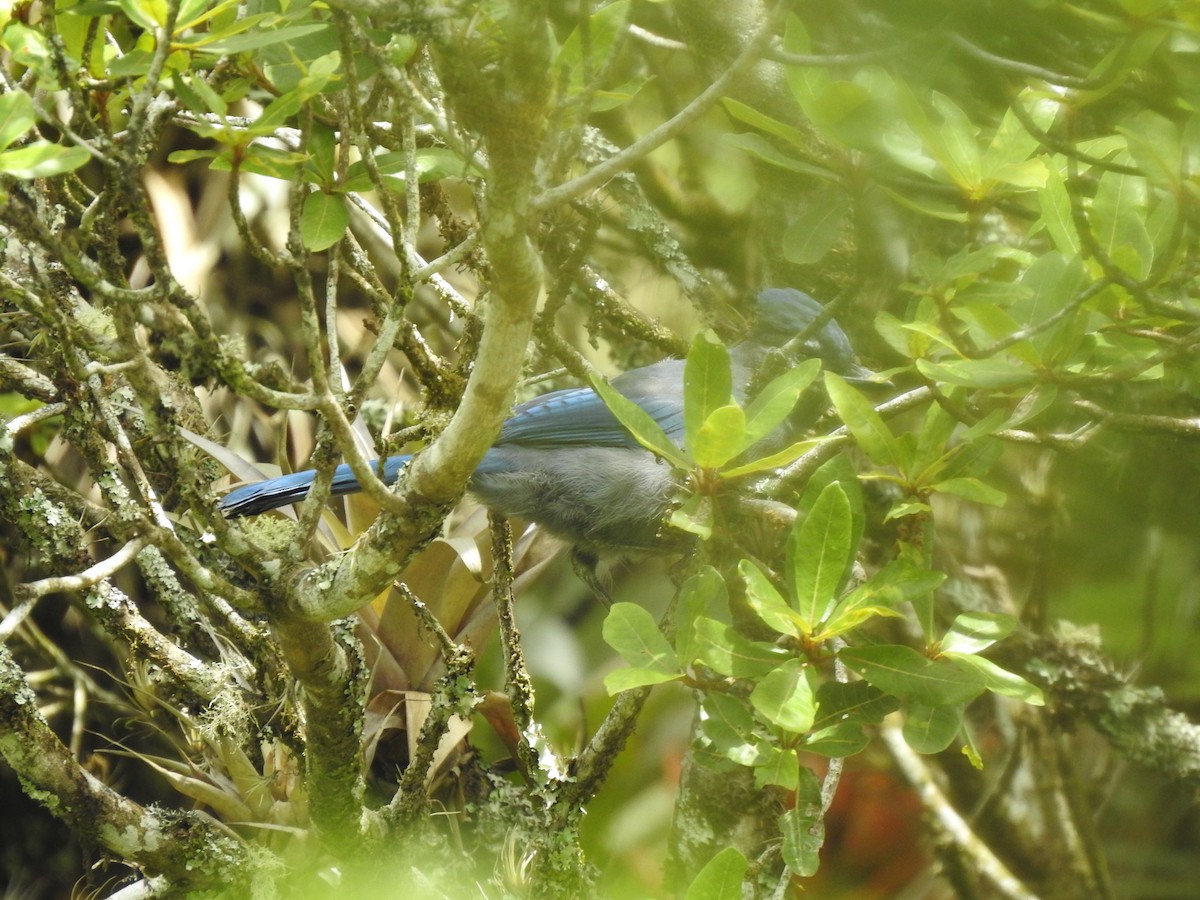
x=252 y=499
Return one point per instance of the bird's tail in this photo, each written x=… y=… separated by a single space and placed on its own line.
x=252 y=499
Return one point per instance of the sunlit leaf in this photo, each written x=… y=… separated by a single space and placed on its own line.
x=720 y=879
x=818 y=555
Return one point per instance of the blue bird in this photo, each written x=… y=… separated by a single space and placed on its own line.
x=563 y=460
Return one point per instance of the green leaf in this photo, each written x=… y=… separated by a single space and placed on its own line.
x=931 y=729
x=838 y=470
x=784 y=697
x=323 y=220
x=703 y=594
x=727 y=725
x=627 y=679
x=855 y=701
x=632 y=632
x=774 y=460
x=957 y=144
x=758 y=146
x=1118 y=216
x=803 y=829
x=720 y=879
x=865 y=424
x=907 y=508
x=842 y=712
x=860 y=605
x=974 y=631
x=17 y=116
x=42 y=159
x=927 y=205
x=322 y=152
x=729 y=653
x=605 y=27
x=812 y=235
x=839 y=740
x=696 y=516
x=148 y=14
x=432 y=164
x=257 y=39
x=999 y=680
x=971 y=489
x=262 y=160
x=995 y=372
x=720 y=438
x=767 y=602
x=905 y=673
x=1012 y=144
x=640 y=424
x=707 y=384
x=819 y=554
x=1055 y=204
x=780 y=767
x=776 y=401
x=763 y=122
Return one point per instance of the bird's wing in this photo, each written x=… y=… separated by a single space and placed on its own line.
x=578 y=417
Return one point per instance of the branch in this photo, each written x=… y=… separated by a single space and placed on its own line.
x=188 y=848
x=946 y=819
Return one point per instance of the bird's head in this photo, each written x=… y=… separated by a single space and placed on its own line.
x=782 y=313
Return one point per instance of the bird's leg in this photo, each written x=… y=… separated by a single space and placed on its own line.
x=584 y=563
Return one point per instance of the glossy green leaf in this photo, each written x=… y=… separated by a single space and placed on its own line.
x=1055 y=203
x=818 y=227
x=907 y=674
x=996 y=372
x=720 y=438
x=632 y=632
x=855 y=701
x=841 y=739
x=971 y=489
x=148 y=14
x=42 y=159
x=772 y=461
x=758 y=146
x=703 y=594
x=763 y=122
x=803 y=828
x=778 y=398
x=720 y=879
x=259 y=38
x=977 y=630
x=957 y=144
x=1118 y=217
x=707 y=384
x=605 y=27
x=432 y=164
x=777 y=766
x=323 y=220
x=785 y=698
x=766 y=601
x=868 y=428
x=931 y=729
x=619 y=680
x=1012 y=143
x=727 y=725
x=724 y=650
x=640 y=424
x=999 y=680
x=695 y=516
x=819 y=554
x=17 y=116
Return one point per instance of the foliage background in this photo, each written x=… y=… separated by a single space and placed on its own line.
x=859 y=172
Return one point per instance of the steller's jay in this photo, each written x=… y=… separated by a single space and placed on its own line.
x=562 y=459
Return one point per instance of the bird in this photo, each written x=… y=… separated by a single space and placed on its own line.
x=564 y=462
